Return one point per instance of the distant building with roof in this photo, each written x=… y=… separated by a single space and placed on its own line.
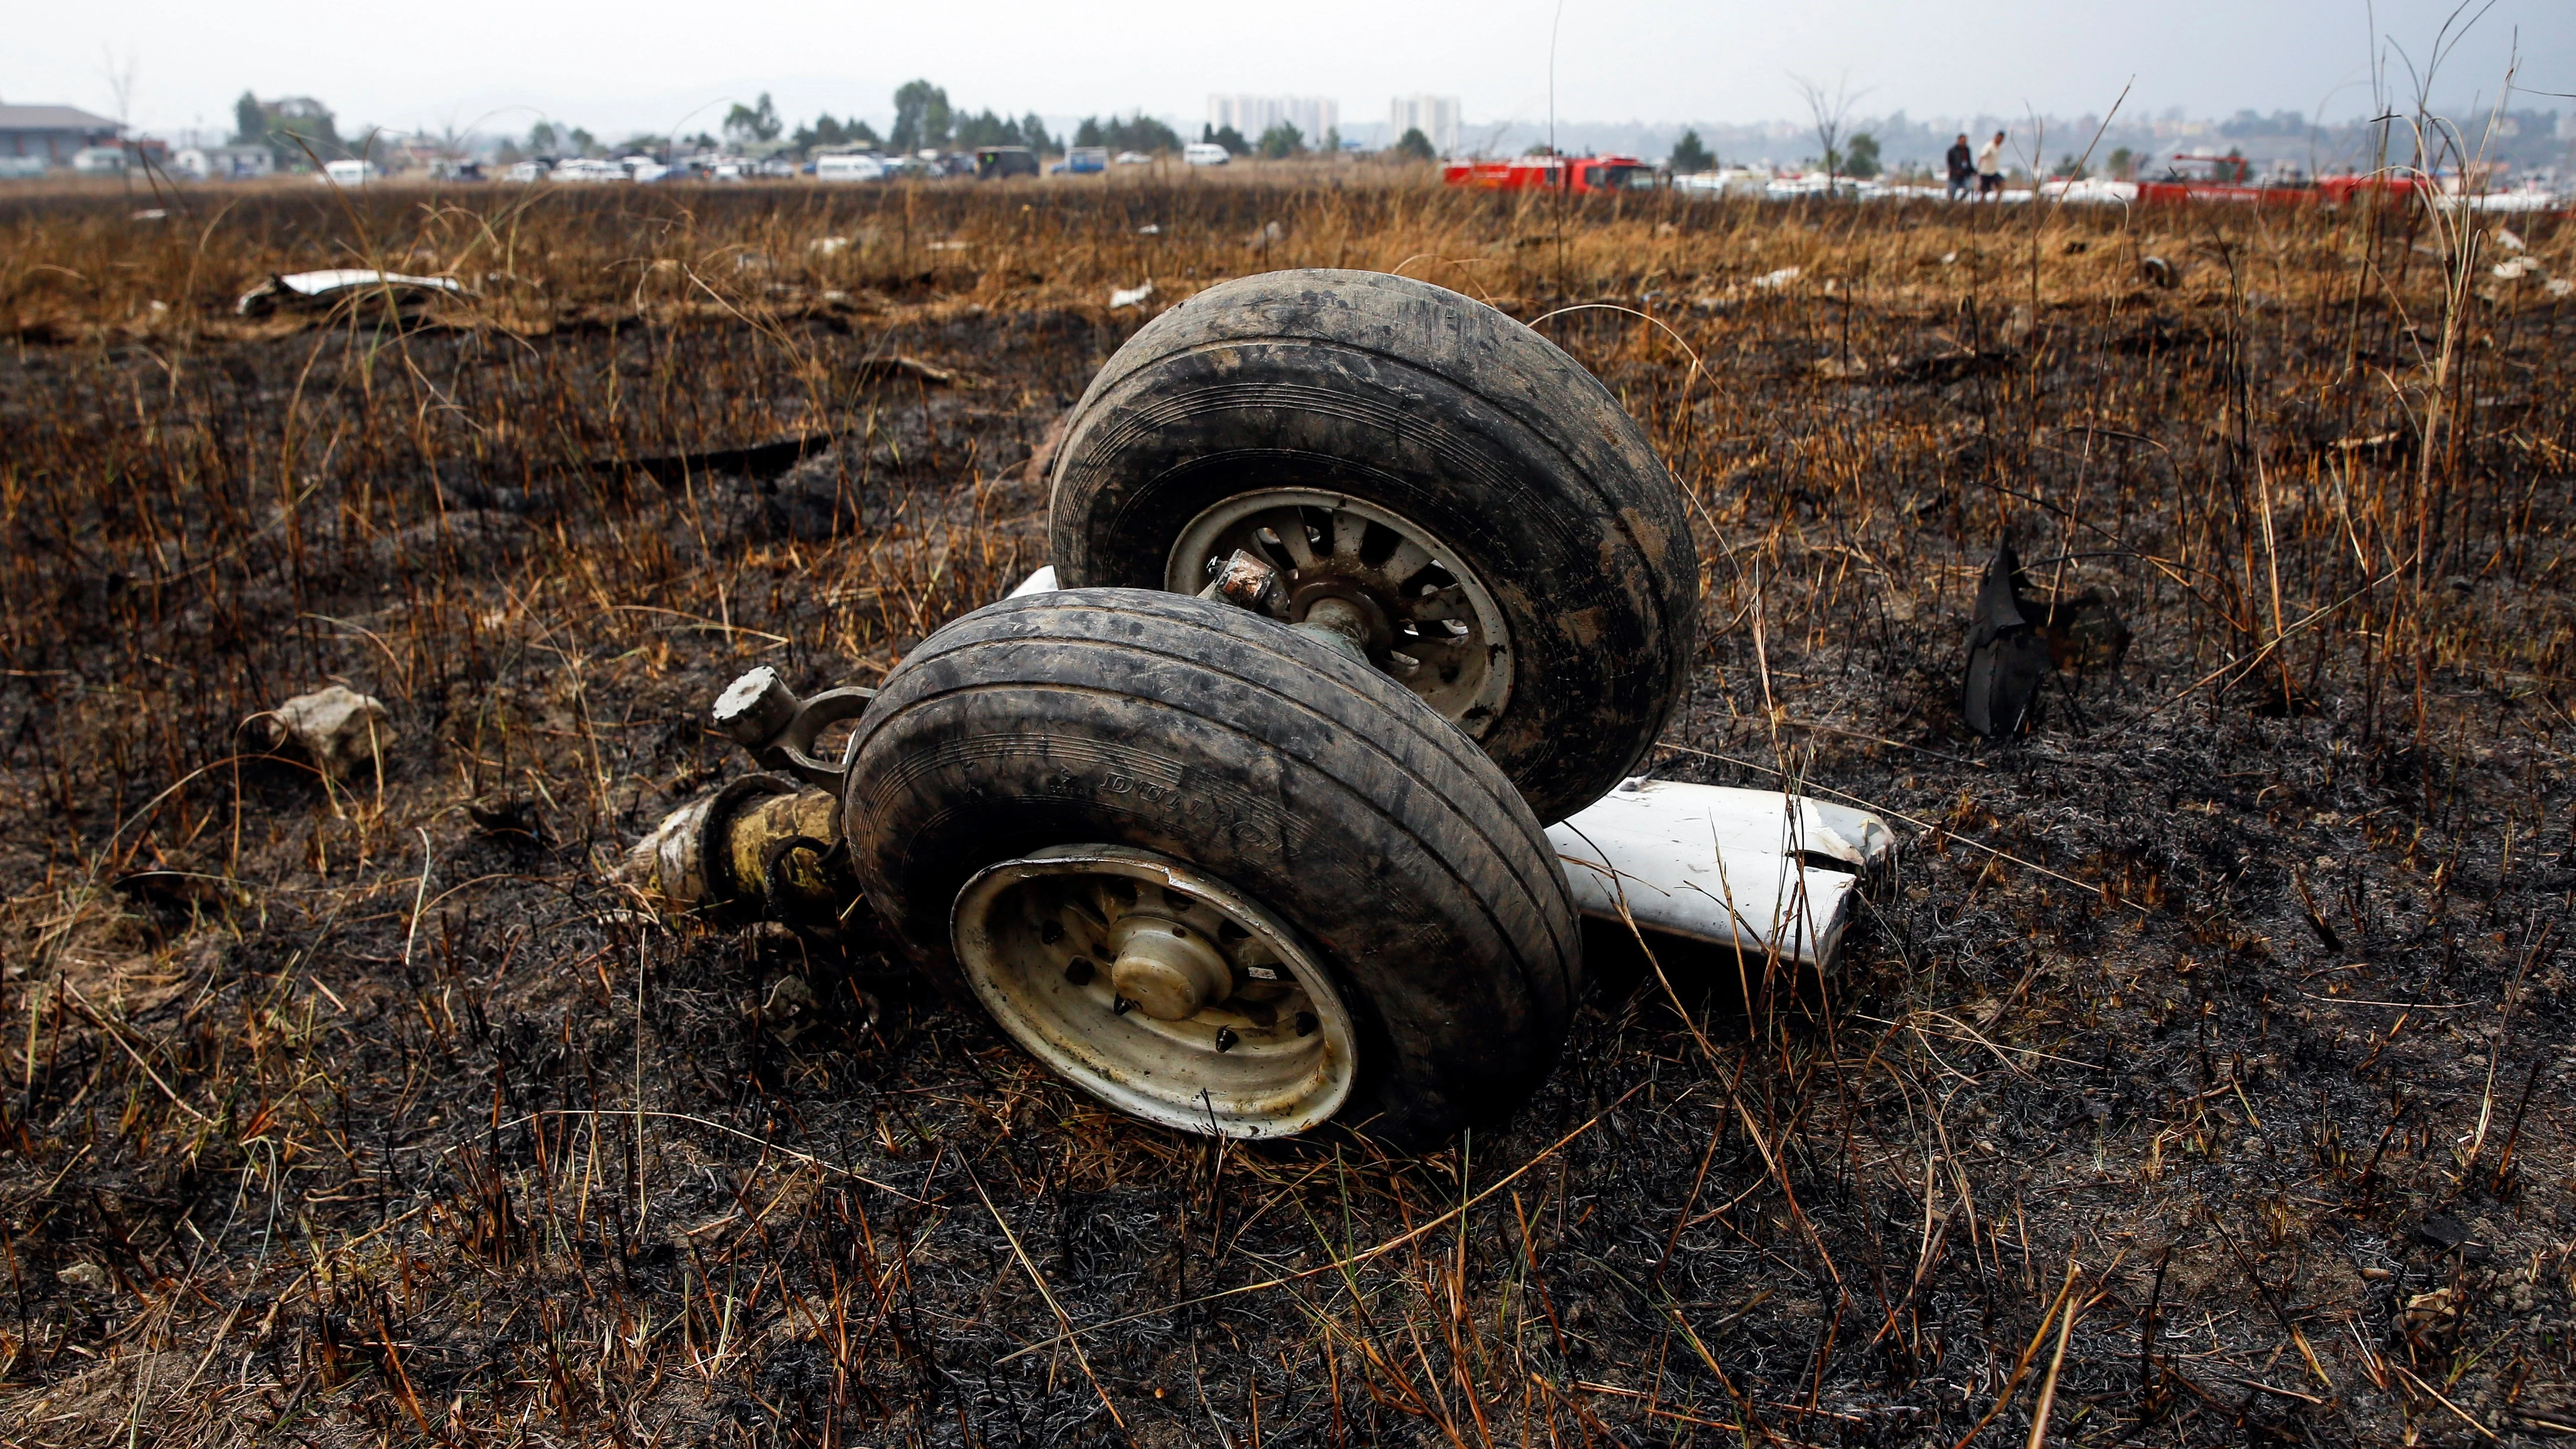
x=52 y=134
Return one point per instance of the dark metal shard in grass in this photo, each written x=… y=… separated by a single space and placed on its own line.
x=2007 y=659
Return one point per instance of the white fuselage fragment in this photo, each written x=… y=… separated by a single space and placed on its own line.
x=1741 y=868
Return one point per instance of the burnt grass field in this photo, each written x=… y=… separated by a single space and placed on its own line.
x=2201 y=1074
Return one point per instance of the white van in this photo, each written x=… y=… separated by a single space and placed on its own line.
x=351 y=172
x=1204 y=153
x=849 y=167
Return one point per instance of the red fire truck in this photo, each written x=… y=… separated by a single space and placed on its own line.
x=2222 y=179
x=2229 y=179
x=1581 y=175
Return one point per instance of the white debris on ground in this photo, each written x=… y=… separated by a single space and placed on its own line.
x=1130 y=296
x=340 y=730
x=296 y=288
x=1757 y=870
x=2090 y=189
x=1773 y=281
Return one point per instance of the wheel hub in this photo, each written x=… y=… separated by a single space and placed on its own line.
x=1158 y=989
x=1402 y=594
x=1168 y=972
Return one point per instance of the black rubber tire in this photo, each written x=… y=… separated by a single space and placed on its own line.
x=1299 y=775
x=1440 y=408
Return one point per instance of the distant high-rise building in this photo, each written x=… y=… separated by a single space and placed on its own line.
x=1252 y=115
x=1434 y=116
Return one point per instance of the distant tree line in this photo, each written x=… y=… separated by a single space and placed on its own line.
x=295 y=129
x=923 y=119
x=1139 y=132
x=828 y=132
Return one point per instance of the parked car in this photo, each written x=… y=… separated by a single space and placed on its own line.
x=1085 y=160
x=1205 y=153
x=850 y=166
x=998 y=161
x=348 y=172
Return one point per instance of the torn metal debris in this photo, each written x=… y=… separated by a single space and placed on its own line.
x=327 y=288
x=1758 y=870
x=2007 y=660
x=2015 y=641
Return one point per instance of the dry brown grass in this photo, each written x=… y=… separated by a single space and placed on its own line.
x=2152 y=1089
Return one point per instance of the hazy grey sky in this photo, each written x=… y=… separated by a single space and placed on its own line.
x=644 y=64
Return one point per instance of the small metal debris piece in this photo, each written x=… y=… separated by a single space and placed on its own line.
x=2007 y=658
x=340 y=730
x=767 y=718
x=1130 y=296
x=2159 y=271
x=1243 y=580
x=325 y=288
x=2015 y=640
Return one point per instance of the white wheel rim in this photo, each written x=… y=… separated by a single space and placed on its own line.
x=1272 y=1056
x=1438 y=631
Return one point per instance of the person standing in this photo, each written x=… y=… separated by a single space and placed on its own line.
x=1963 y=166
x=1990 y=169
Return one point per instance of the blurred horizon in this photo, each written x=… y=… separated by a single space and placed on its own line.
x=1641 y=67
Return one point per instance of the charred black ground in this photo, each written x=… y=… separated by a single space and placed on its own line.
x=2202 y=1071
